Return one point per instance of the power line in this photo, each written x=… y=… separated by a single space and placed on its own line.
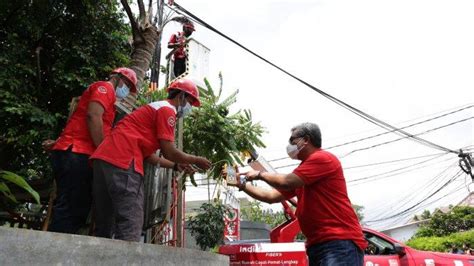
x=428 y=187
x=458 y=109
x=421 y=133
x=390 y=141
x=418 y=203
x=341 y=103
x=404 y=127
x=392 y=161
x=414 y=211
x=372 y=177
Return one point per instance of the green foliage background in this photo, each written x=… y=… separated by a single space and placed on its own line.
x=442 y=243
x=50 y=51
x=445 y=230
x=215 y=133
x=207 y=227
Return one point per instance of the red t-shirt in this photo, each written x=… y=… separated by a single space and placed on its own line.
x=76 y=132
x=137 y=136
x=324 y=210
x=178 y=38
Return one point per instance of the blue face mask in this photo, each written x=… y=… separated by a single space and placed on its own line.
x=122 y=92
x=184 y=110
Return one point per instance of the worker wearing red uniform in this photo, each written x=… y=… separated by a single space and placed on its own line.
x=177 y=42
x=325 y=214
x=84 y=131
x=118 y=161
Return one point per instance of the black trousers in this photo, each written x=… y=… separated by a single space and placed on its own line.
x=179 y=66
x=118 y=199
x=72 y=205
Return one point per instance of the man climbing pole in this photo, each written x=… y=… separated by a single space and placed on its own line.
x=177 y=42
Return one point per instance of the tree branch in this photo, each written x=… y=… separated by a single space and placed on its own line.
x=133 y=22
x=150 y=10
x=141 y=8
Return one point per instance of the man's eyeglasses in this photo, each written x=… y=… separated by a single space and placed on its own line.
x=293 y=138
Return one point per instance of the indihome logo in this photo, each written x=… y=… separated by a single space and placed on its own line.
x=248 y=249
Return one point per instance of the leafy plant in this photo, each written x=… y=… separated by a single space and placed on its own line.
x=460 y=218
x=442 y=243
x=7 y=178
x=255 y=213
x=50 y=52
x=212 y=132
x=207 y=227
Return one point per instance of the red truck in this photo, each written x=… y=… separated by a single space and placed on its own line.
x=382 y=250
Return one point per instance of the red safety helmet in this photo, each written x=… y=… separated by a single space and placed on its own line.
x=128 y=74
x=189 y=25
x=187 y=86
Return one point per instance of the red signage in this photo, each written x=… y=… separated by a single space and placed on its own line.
x=232 y=225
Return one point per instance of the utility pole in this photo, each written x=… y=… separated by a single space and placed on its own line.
x=160 y=4
x=180 y=195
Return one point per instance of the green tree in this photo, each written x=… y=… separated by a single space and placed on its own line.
x=359 y=210
x=207 y=227
x=460 y=218
x=442 y=243
x=212 y=132
x=255 y=213
x=425 y=215
x=49 y=52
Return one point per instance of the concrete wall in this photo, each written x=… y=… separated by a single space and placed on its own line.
x=248 y=230
x=28 y=247
x=254 y=230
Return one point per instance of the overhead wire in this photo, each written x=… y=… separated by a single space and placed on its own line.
x=428 y=187
x=438 y=115
x=341 y=103
x=420 y=207
x=419 y=202
x=417 y=134
x=390 y=141
x=397 y=171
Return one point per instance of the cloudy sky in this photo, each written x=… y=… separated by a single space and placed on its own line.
x=403 y=62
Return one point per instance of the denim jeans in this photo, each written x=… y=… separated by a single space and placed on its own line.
x=72 y=205
x=335 y=253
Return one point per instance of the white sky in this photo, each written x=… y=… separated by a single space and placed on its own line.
x=400 y=61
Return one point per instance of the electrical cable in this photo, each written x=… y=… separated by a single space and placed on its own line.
x=397 y=171
x=429 y=187
x=418 y=134
x=418 y=203
x=444 y=114
x=350 y=108
x=414 y=211
x=390 y=141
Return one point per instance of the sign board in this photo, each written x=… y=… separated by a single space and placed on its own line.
x=266 y=254
x=232 y=225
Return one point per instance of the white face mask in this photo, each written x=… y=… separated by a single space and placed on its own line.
x=293 y=150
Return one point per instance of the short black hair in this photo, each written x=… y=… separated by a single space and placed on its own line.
x=311 y=130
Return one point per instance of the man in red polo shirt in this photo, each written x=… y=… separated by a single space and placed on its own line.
x=177 y=42
x=326 y=217
x=118 y=161
x=84 y=131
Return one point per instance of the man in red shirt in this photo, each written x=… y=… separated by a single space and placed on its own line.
x=118 y=161
x=178 y=42
x=84 y=131
x=326 y=217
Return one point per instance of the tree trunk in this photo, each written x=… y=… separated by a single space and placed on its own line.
x=143 y=50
